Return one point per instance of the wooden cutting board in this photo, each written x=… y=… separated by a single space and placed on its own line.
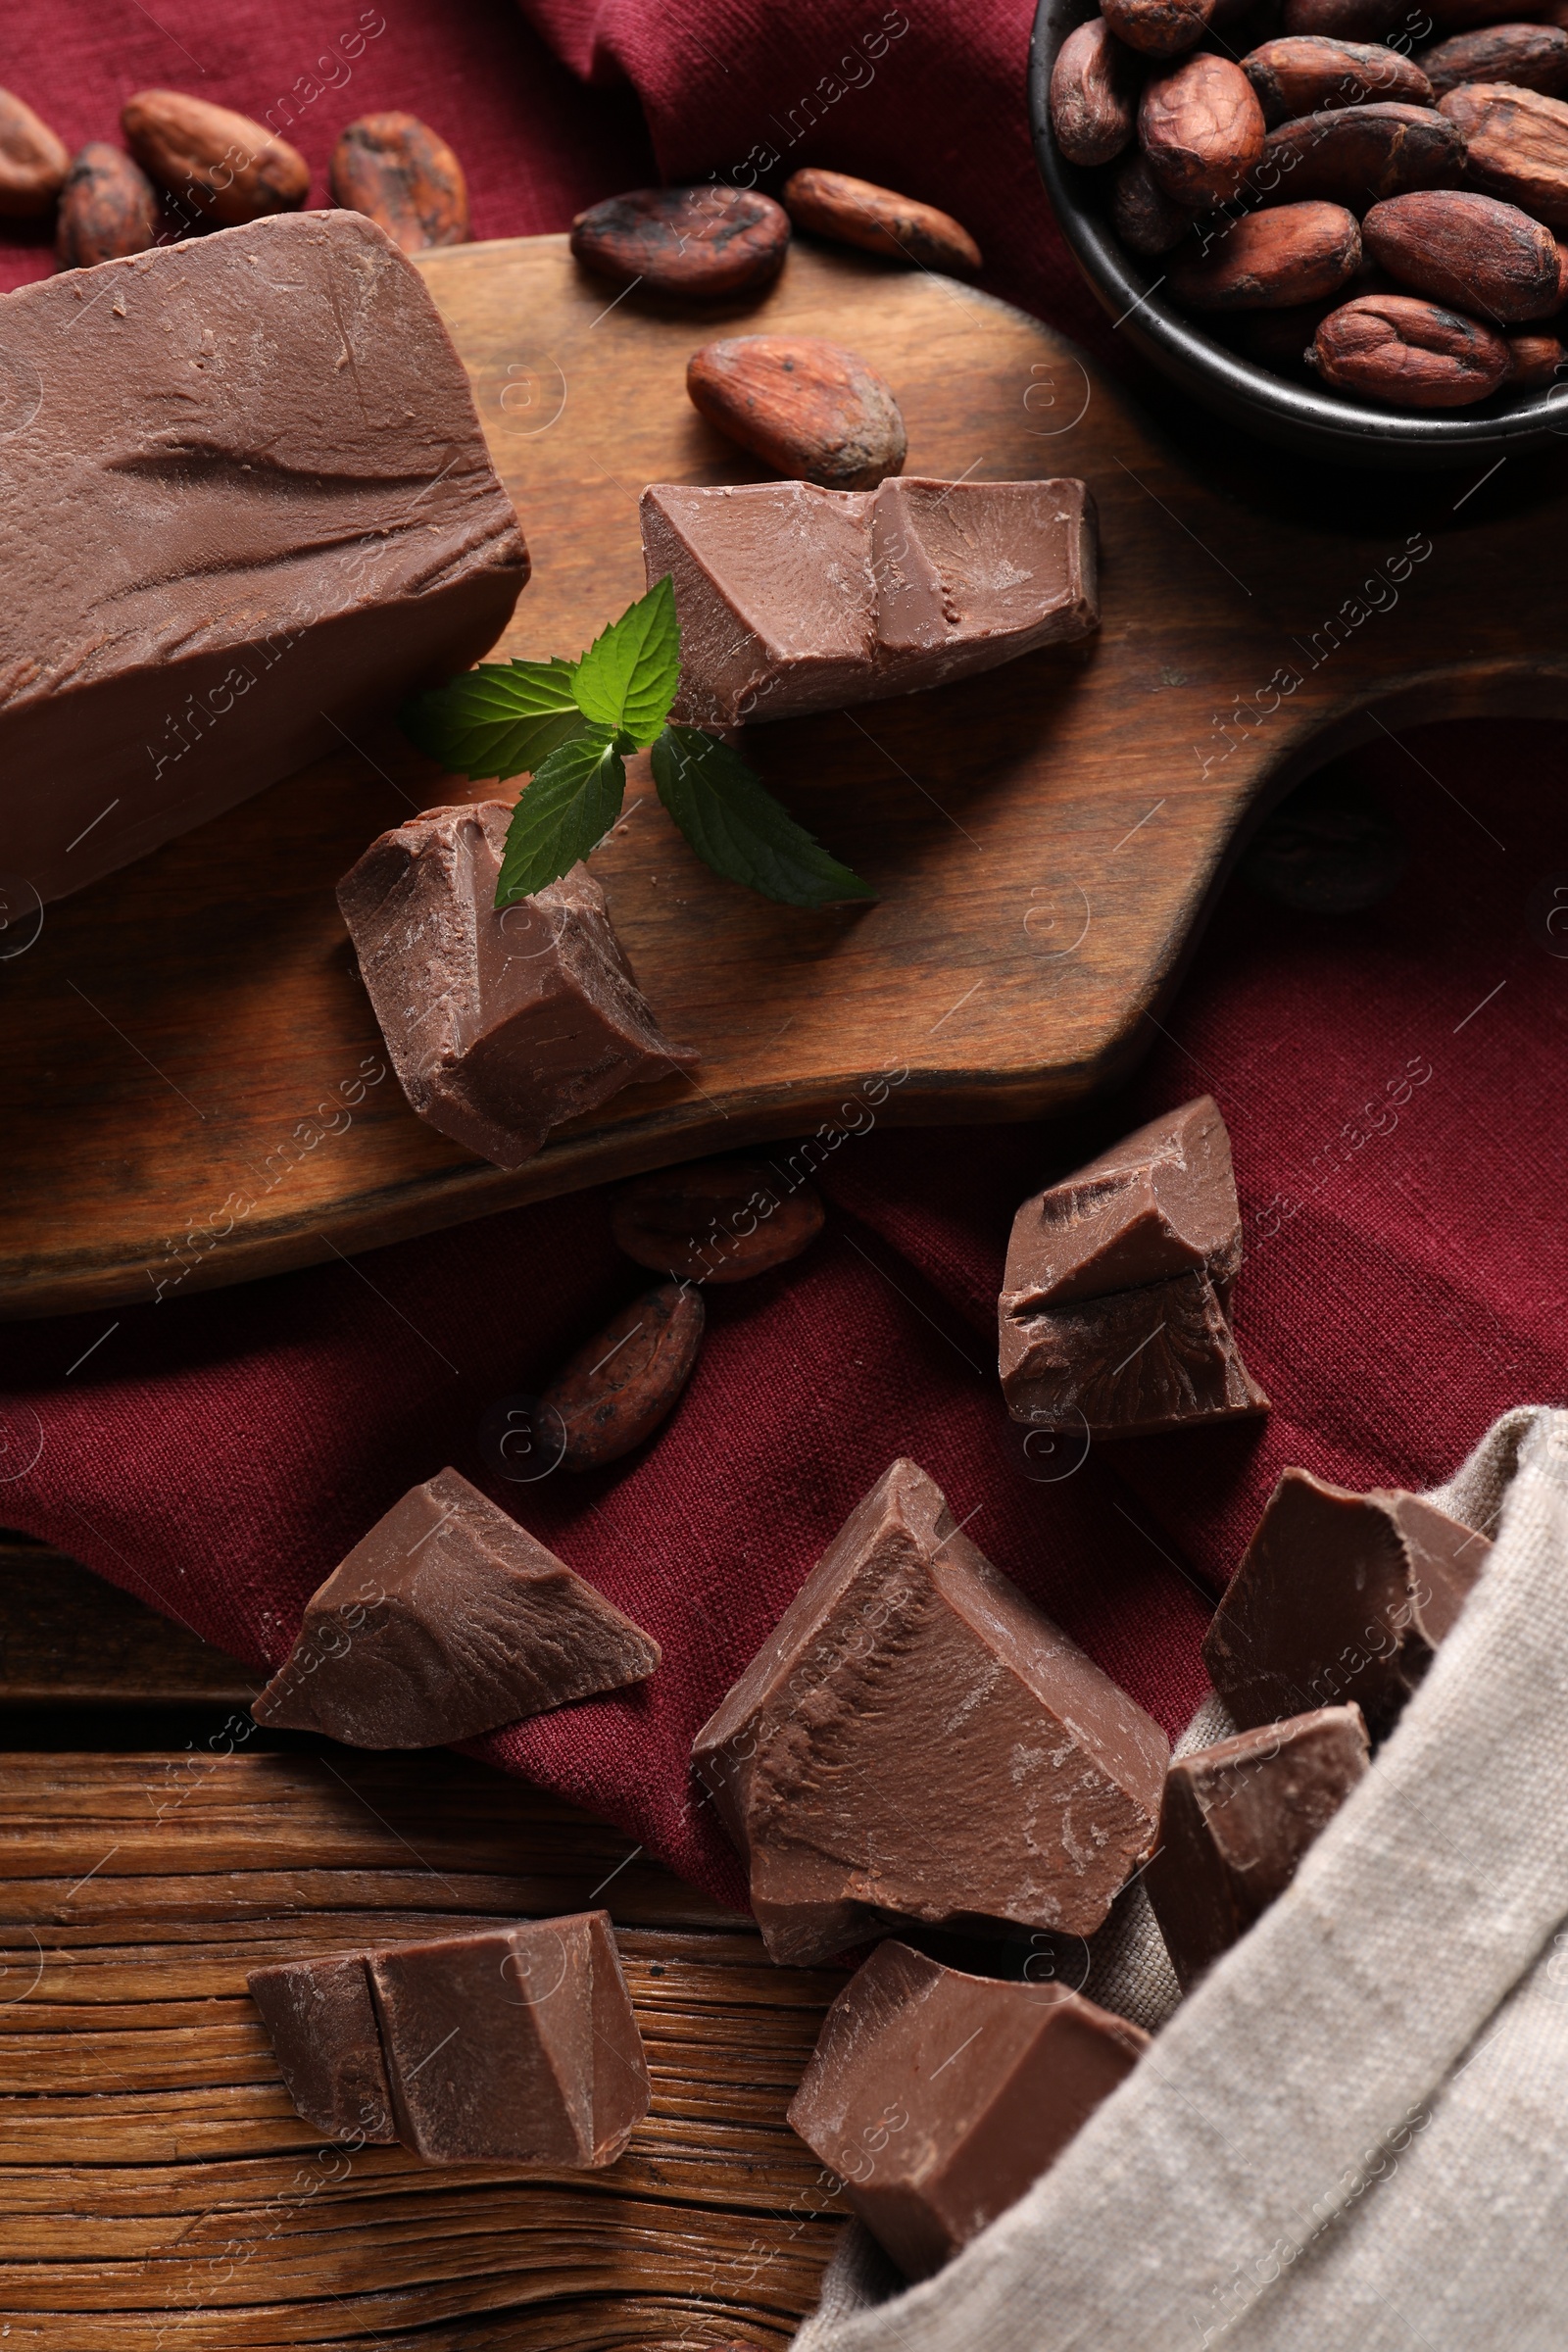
x=193 y=1084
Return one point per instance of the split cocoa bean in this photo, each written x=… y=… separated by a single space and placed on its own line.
x=109 y=209
x=857 y=212
x=1517 y=141
x=1355 y=155
x=33 y=162
x=699 y=243
x=715 y=1220
x=811 y=409
x=220 y=163
x=1143 y=217
x=629 y=1377
x=1160 y=28
x=1271 y=261
x=396 y=171
x=1312 y=74
x=1473 y=252
x=1202 y=130
x=1533 y=57
x=1536 y=360
x=1410 y=353
x=1093 y=94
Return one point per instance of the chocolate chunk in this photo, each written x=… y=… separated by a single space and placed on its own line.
x=715 y=1220
x=918 y=1741
x=1130 y=1365
x=446 y=1620
x=694 y=242
x=617 y=1388
x=939 y=2097
x=1236 y=1821
x=1340 y=1597
x=271 y=507
x=501 y=1022
x=515 y=2046
x=321 y=2023
x=793 y=599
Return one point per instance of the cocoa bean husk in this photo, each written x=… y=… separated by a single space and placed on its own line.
x=221 y=164
x=1467 y=251
x=1312 y=73
x=1160 y=28
x=1202 y=130
x=109 y=209
x=857 y=212
x=1410 y=353
x=1270 y=261
x=1517 y=144
x=1095 y=84
x=33 y=162
x=1532 y=57
x=1356 y=154
x=627 y=1379
x=699 y=243
x=1536 y=360
x=811 y=409
x=400 y=174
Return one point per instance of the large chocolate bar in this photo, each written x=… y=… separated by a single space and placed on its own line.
x=501 y=1022
x=938 y=2098
x=244 y=495
x=320 y=2021
x=445 y=1621
x=1237 y=1819
x=792 y=599
x=1339 y=1596
x=918 y=1741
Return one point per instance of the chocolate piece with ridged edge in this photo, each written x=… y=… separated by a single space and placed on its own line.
x=320 y=2021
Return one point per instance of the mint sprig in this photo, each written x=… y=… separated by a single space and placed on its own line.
x=569 y=725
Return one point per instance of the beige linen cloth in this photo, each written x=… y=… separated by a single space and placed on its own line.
x=1355 y=2132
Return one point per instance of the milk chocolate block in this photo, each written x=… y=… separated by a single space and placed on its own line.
x=940 y=2098
x=918 y=1741
x=501 y=1022
x=515 y=2045
x=244 y=495
x=1339 y=1596
x=447 y=1620
x=791 y=598
x=1236 y=1821
x=321 y=2023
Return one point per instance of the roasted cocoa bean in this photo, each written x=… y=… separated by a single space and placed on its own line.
x=1312 y=74
x=617 y=1389
x=223 y=166
x=1355 y=155
x=1563 y=271
x=1531 y=57
x=1271 y=261
x=1517 y=142
x=1536 y=360
x=697 y=242
x=1160 y=28
x=396 y=171
x=1202 y=130
x=1352 y=19
x=1093 y=94
x=811 y=409
x=857 y=212
x=109 y=208
x=1143 y=217
x=1415 y=354
x=715 y=1220
x=33 y=162
x=1470 y=252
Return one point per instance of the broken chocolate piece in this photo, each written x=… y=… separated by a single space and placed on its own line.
x=1236 y=1821
x=321 y=2023
x=501 y=1022
x=445 y=1621
x=1131 y=1365
x=930 y=2151
x=514 y=2046
x=792 y=597
x=270 y=509
x=1339 y=1596
x=1036 y=1788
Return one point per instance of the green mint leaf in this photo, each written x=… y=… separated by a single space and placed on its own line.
x=627 y=678
x=502 y=719
x=572 y=804
x=737 y=827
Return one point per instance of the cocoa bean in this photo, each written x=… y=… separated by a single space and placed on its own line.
x=811 y=409
x=715 y=1220
x=1396 y=348
x=1143 y=217
x=1518 y=145
x=33 y=162
x=1535 y=361
x=1352 y=19
x=1466 y=250
x=855 y=212
x=1532 y=57
x=617 y=1389
x=221 y=164
x=699 y=243
x=1201 y=130
x=396 y=171
x=1312 y=74
x=1093 y=94
x=1160 y=28
x=1271 y=261
x=1353 y=154
x=109 y=208
x=1563 y=271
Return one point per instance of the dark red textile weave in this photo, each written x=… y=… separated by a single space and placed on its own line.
x=1393 y=1085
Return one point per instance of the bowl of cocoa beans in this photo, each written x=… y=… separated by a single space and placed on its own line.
x=1342 y=223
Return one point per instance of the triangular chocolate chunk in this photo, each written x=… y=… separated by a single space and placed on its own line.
x=320 y=2021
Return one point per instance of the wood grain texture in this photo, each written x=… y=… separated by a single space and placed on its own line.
x=193 y=1082
x=69 y=1640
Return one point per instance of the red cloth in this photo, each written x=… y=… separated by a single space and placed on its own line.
x=1407 y=1264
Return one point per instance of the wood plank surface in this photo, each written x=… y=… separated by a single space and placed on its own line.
x=69 y=1640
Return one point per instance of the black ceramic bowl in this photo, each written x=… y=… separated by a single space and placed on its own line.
x=1314 y=422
